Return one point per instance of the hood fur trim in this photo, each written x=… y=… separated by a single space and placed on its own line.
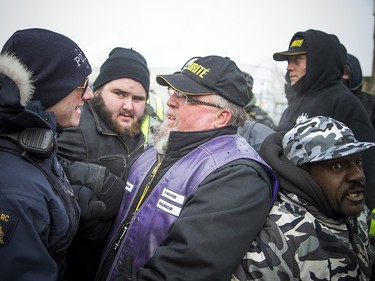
x=12 y=67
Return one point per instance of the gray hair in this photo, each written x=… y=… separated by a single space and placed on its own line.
x=239 y=115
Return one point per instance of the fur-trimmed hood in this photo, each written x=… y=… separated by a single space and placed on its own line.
x=16 y=91
x=16 y=82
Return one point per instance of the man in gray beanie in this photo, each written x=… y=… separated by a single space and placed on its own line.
x=97 y=152
x=43 y=85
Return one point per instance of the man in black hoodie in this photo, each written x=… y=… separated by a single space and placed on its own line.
x=352 y=78
x=316 y=62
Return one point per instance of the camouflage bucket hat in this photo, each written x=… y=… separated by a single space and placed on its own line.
x=320 y=138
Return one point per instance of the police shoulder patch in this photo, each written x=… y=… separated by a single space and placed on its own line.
x=8 y=222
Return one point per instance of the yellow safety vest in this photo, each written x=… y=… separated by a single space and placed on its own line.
x=157 y=106
x=372 y=224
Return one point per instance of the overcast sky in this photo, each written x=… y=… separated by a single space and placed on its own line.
x=168 y=32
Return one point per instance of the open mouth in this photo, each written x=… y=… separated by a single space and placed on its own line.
x=355 y=196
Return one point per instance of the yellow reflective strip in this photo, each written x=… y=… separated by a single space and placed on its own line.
x=159 y=107
x=145 y=127
x=146 y=124
x=372 y=228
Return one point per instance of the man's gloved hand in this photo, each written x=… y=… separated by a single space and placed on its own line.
x=107 y=187
x=91 y=207
x=111 y=194
x=81 y=173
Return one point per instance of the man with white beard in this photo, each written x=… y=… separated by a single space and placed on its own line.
x=190 y=197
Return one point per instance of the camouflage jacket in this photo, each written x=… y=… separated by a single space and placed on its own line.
x=298 y=242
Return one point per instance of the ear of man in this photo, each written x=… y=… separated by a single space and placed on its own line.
x=223 y=118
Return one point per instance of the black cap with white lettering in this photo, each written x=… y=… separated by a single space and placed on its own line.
x=207 y=75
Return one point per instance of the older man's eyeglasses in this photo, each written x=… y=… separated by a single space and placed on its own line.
x=84 y=87
x=189 y=99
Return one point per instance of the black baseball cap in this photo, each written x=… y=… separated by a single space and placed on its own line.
x=210 y=74
x=296 y=47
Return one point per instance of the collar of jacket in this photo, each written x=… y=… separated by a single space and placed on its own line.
x=181 y=143
x=30 y=116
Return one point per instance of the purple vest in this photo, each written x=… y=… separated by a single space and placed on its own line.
x=149 y=226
